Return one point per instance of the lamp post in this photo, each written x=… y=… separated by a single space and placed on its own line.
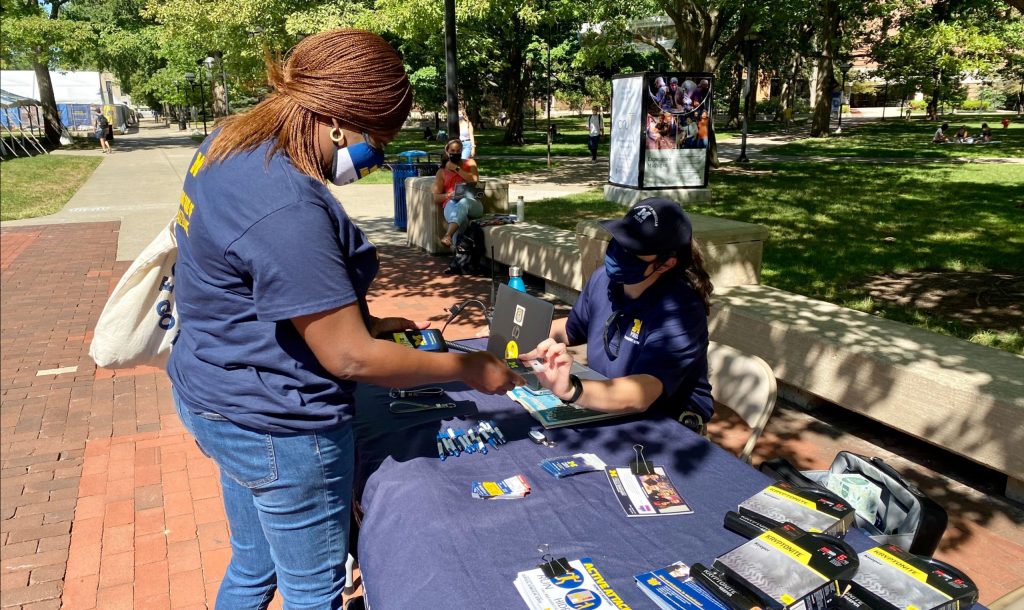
x=845 y=68
x=748 y=54
x=191 y=78
x=182 y=124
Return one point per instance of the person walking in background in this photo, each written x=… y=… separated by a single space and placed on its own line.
x=271 y=280
x=466 y=135
x=103 y=130
x=595 y=129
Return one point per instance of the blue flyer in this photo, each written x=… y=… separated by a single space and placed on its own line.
x=672 y=589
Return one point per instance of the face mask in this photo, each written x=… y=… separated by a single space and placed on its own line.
x=355 y=161
x=623 y=267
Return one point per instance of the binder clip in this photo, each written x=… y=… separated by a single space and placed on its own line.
x=551 y=567
x=640 y=465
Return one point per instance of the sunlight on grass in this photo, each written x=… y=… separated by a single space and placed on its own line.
x=898 y=138
x=38 y=186
x=833 y=225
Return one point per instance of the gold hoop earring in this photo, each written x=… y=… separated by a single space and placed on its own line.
x=336 y=135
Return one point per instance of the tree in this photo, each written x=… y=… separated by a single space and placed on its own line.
x=944 y=41
x=35 y=35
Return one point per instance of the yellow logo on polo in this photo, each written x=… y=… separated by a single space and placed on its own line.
x=197 y=164
x=636 y=326
x=511 y=350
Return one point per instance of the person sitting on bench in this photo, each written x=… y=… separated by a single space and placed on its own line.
x=454 y=191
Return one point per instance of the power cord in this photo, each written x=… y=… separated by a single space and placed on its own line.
x=455 y=310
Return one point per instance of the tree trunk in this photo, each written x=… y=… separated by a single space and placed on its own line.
x=826 y=43
x=517 y=82
x=823 y=108
x=735 y=93
x=217 y=94
x=51 y=116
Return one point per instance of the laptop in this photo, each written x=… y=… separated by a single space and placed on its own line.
x=520 y=322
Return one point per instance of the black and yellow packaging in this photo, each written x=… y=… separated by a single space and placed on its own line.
x=890 y=578
x=787 y=568
x=815 y=511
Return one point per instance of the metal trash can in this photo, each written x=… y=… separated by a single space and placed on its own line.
x=399 y=172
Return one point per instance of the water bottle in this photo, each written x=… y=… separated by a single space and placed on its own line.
x=520 y=205
x=515 y=278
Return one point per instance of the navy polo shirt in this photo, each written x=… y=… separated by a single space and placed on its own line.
x=260 y=243
x=663 y=333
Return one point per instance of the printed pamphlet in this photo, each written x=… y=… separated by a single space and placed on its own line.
x=647 y=495
x=582 y=586
x=672 y=589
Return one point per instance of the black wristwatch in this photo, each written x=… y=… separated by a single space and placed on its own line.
x=577 y=389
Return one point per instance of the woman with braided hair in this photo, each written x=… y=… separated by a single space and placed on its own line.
x=271 y=283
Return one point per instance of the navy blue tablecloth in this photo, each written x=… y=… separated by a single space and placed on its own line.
x=426 y=543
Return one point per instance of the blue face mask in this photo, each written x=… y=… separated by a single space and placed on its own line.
x=355 y=161
x=622 y=266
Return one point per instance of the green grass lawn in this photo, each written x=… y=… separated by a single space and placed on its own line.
x=37 y=186
x=833 y=225
x=571 y=140
x=899 y=138
x=489 y=168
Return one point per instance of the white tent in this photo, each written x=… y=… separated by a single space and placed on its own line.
x=68 y=87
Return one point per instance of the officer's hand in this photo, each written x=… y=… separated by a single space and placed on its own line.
x=485 y=373
x=556 y=363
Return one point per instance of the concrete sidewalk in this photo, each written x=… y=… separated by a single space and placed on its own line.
x=108 y=504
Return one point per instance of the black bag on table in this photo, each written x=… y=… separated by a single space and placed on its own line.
x=906 y=516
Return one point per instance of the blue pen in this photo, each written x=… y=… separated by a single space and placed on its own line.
x=460 y=434
x=501 y=437
x=452 y=440
x=452 y=449
x=477 y=441
x=440 y=450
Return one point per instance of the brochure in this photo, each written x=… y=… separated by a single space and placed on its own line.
x=552 y=412
x=672 y=589
x=512 y=487
x=647 y=495
x=582 y=587
x=567 y=466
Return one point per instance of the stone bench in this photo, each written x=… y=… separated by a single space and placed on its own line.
x=966 y=398
x=565 y=259
x=426 y=225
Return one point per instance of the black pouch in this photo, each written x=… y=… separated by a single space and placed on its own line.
x=906 y=516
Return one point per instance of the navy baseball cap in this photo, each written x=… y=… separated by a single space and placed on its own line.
x=653 y=226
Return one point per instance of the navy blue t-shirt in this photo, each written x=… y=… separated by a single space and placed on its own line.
x=663 y=333
x=260 y=243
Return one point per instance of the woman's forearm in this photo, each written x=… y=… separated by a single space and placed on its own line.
x=632 y=394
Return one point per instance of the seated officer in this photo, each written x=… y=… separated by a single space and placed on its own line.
x=644 y=318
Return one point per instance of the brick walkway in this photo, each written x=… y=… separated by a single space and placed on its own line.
x=105 y=499
x=107 y=503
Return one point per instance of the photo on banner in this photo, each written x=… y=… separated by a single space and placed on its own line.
x=676 y=129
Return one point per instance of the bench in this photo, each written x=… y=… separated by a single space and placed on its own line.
x=565 y=259
x=966 y=398
x=426 y=225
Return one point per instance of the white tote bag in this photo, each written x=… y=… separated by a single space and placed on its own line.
x=139 y=324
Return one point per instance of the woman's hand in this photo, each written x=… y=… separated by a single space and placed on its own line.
x=557 y=363
x=485 y=373
x=384 y=326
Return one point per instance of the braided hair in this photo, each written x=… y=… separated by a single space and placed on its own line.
x=350 y=75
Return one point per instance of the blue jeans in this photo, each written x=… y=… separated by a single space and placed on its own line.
x=287 y=498
x=462 y=211
x=467 y=149
x=592 y=142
